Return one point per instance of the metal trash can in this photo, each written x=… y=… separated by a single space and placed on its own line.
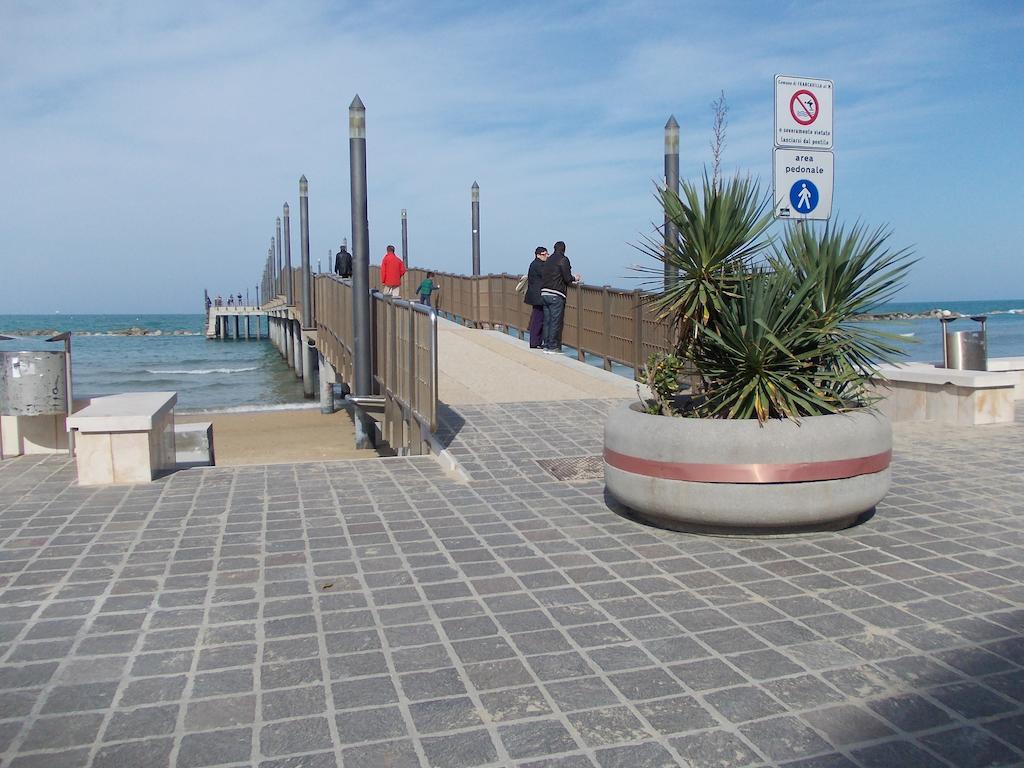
x=33 y=376
x=965 y=350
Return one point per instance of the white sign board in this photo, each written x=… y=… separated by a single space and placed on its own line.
x=803 y=184
x=803 y=112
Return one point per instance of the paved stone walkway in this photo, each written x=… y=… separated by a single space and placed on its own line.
x=377 y=613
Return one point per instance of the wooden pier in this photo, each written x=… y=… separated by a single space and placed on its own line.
x=219 y=322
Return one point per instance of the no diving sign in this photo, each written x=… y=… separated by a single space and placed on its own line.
x=803 y=112
x=803 y=184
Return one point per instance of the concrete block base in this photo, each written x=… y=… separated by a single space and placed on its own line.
x=21 y=435
x=922 y=392
x=193 y=444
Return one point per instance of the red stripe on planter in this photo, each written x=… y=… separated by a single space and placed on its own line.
x=800 y=472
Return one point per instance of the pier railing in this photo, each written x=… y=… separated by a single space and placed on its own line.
x=614 y=325
x=404 y=356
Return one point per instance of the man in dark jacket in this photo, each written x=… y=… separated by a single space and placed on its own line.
x=343 y=262
x=556 y=276
x=533 y=297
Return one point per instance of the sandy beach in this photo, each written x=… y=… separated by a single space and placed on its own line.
x=277 y=437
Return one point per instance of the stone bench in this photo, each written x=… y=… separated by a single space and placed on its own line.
x=922 y=392
x=125 y=438
x=1010 y=364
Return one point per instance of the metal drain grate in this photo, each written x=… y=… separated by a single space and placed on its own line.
x=575 y=468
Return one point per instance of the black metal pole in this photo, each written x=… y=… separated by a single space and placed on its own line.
x=277 y=253
x=288 y=287
x=405 y=238
x=476 y=228
x=307 y=278
x=671 y=185
x=360 y=248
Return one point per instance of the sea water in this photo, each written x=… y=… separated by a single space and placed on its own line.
x=174 y=355
x=228 y=374
x=920 y=335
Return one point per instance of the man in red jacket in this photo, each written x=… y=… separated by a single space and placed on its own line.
x=391 y=271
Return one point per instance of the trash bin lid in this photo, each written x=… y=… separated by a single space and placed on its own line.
x=30 y=344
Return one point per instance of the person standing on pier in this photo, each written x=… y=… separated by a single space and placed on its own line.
x=556 y=277
x=391 y=271
x=534 y=283
x=343 y=262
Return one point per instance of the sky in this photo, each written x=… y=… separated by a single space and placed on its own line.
x=148 y=147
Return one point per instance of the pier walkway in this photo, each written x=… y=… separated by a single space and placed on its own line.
x=478 y=366
x=382 y=613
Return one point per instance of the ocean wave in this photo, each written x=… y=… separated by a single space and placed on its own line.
x=198 y=371
x=908 y=335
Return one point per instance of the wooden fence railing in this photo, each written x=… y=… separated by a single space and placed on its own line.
x=612 y=324
x=404 y=359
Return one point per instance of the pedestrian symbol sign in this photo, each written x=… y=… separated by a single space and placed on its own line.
x=803 y=112
x=803 y=184
x=803 y=196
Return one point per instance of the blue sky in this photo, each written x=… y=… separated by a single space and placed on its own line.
x=149 y=146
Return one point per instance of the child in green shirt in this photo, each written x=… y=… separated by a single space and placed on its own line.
x=426 y=288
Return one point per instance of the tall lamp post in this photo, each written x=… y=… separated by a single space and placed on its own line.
x=475 y=194
x=405 y=238
x=363 y=384
x=672 y=185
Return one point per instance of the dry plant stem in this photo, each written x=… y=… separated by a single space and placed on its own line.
x=721 y=112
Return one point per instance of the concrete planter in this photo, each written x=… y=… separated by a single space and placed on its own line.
x=722 y=476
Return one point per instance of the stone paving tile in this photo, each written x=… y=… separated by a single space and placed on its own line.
x=381 y=613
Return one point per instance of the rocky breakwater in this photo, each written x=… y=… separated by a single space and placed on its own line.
x=132 y=331
x=883 y=316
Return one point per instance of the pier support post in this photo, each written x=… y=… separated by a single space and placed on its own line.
x=296 y=348
x=237 y=334
x=327 y=377
x=289 y=345
x=476 y=227
x=672 y=185
x=309 y=366
x=247 y=318
x=363 y=384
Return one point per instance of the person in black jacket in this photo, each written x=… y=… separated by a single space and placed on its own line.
x=556 y=276
x=343 y=261
x=533 y=297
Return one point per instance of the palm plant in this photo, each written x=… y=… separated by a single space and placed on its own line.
x=721 y=229
x=766 y=326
